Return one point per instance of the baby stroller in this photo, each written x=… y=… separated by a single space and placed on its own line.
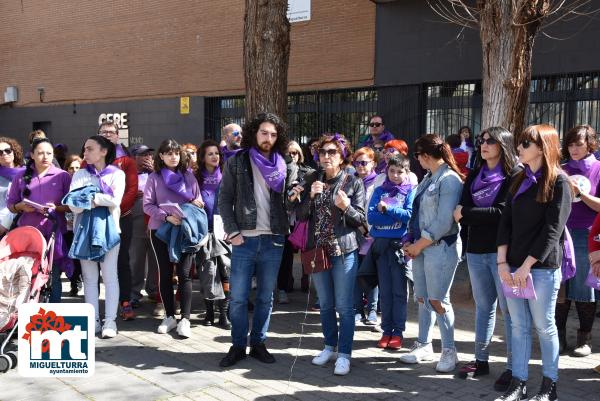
x=25 y=268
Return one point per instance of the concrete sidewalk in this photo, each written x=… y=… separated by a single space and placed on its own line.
x=141 y=365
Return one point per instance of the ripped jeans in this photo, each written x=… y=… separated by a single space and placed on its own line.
x=433 y=274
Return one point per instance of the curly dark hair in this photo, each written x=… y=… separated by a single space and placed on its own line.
x=340 y=143
x=16 y=148
x=251 y=129
x=585 y=132
x=167 y=146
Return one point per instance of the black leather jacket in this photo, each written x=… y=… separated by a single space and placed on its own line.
x=236 y=197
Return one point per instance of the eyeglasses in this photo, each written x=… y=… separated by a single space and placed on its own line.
x=293 y=153
x=490 y=141
x=236 y=133
x=363 y=163
x=390 y=151
x=6 y=151
x=108 y=132
x=525 y=143
x=375 y=125
x=417 y=154
x=327 y=152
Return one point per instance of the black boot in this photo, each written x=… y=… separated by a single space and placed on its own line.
x=234 y=355
x=209 y=319
x=547 y=391
x=562 y=341
x=560 y=316
x=516 y=391
x=223 y=312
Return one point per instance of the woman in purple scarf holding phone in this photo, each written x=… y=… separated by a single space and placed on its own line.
x=530 y=255
x=173 y=183
x=479 y=211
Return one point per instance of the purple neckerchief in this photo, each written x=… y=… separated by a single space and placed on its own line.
x=272 y=169
x=105 y=171
x=381 y=166
x=568 y=267
x=584 y=165
x=119 y=151
x=210 y=182
x=383 y=137
x=368 y=180
x=228 y=153
x=528 y=182
x=394 y=189
x=486 y=185
x=175 y=181
x=10 y=172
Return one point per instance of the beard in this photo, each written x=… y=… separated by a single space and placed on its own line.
x=233 y=145
x=265 y=147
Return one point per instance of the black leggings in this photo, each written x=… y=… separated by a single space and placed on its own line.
x=165 y=271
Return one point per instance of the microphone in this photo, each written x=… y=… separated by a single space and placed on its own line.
x=301 y=183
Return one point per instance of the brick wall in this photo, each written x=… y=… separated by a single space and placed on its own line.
x=90 y=51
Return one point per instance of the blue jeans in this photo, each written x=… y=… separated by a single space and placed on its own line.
x=56 y=293
x=258 y=256
x=372 y=298
x=433 y=274
x=487 y=293
x=576 y=288
x=540 y=311
x=335 y=288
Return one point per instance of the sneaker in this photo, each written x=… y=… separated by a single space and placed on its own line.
x=516 y=391
x=395 y=343
x=547 y=391
x=109 y=330
x=418 y=353
x=447 y=361
x=127 y=311
x=383 y=341
x=597 y=369
x=315 y=308
x=260 y=352
x=234 y=355
x=342 y=366
x=283 y=298
x=323 y=357
x=371 y=319
x=503 y=381
x=168 y=324
x=74 y=292
x=357 y=318
x=183 y=328
x=158 y=310
x=473 y=369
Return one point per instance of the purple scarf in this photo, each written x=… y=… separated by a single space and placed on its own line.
x=228 y=153
x=119 y=151
x=175 y=181
x=210 y=182
x=528 y=182
x=584 y=165
x=10 y=172
x=394 y=189
x=273 y=169
x=368 y=180
x=486 y=185
x=105 y=171
x=383 y=137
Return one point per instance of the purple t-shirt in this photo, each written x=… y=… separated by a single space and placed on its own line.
x=156 y=192
x=51 y=187
x=581 y=215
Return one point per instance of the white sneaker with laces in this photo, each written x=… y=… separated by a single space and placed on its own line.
x=418 y=353
x=184 y=329
x=168 y=324
x=448 y=360
x=109 y=330
x=342 y=366
x=323 y=357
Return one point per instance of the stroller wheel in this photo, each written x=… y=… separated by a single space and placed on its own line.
x=13 y=357
x=5 y=363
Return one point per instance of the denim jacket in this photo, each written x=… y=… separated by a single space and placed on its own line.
x=188 y=237
x=95 y=232
x=435 y=200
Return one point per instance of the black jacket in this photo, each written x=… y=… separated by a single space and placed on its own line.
x=535 y=229
x=482 y=223
x=345 y=224
x=236 y=197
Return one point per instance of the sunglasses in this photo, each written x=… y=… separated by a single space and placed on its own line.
x=327 y=152
x=293 y=153
x=236 y=133
x=375 y=125
x=391 y=151
x=363 y=163
x=525 y=143
x=6 y=151
x=489 y=141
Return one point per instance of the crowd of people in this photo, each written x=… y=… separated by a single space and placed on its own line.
x=520 y=209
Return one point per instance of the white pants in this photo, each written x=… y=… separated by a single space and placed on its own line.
x=89 y=271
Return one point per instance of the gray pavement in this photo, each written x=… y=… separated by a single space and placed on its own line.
x=141 y=365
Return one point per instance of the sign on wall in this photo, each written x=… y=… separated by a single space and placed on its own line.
x=122 y=120
x=298 y=10
x=184 y=105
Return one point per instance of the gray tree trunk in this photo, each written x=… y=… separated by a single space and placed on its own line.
x=266 y=57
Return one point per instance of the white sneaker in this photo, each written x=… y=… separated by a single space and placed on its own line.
x=184 y=329
x=447 y=361
x=109 y=330
x=323 y=357
x=282 y=297
x=168 y=324
x=98 y=326
x=418 y=353
x=342 y=366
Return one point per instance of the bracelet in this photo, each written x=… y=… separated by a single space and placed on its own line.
x=234 y=236
x=166 y=217
x=501 y=263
